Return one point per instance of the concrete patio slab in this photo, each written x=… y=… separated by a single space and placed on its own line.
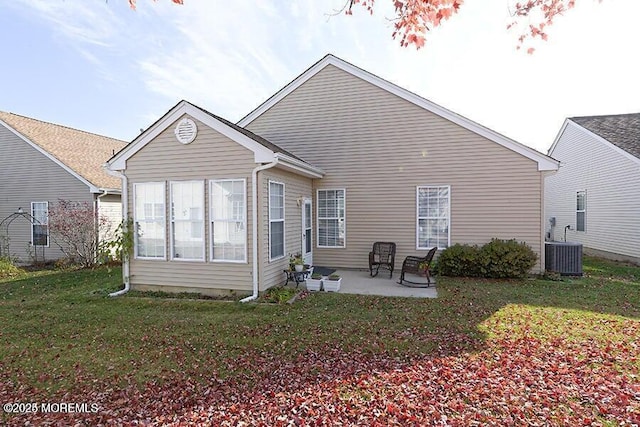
x=361 y=283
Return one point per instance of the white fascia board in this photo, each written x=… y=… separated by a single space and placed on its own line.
x=544 y=162
x=297 y=166
x=92 y=188
x=602 y=141
x=261 y=153
x=558 y=136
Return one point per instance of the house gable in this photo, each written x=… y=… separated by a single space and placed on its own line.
x=544 y=162
x=36 y=147
x=78 y=152
x=569 y=123
x=380 y=148
x=263 y=150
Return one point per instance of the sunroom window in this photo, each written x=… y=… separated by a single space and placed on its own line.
x=149 y=219
x=227 y=212
x=187 y=220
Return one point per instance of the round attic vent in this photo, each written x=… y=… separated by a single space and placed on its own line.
x=186 y=131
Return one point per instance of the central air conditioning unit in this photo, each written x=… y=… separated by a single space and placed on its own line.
x=564 y=258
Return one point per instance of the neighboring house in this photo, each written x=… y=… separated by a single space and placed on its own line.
x=595 y=196
x=41 y=163
x=336 y=160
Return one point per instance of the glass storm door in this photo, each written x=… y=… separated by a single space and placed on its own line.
x=307 y=246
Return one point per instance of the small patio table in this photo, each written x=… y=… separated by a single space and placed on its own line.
x=296 y=276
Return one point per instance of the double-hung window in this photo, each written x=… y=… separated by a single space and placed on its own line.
x=581 y=210
x=187 y=220
x=227 y=212
x=433 y=203
x=149 y=220
x=331 y=218
x=40 y=224
x=276 y=220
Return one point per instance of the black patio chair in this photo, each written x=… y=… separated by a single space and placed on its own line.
x=418 y=266
x=382 y=255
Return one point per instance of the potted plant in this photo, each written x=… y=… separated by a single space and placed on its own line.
x=298 y=264
x=314 y=283
x=332 y=283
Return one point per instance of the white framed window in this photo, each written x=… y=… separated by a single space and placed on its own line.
x=187 y=220
x=331 y=218
x=40 y=224
x=149 y=220
x=433 y=205
x=276 y=220
x=228 y=220
x=581 y=210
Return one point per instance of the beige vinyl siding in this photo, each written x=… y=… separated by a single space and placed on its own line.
x=110 y=207
x=610 y=179
x=26 y=176
x=295 y=188
x=379 y=147
x=210 y=156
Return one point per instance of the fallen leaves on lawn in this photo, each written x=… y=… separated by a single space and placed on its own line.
x=512 y=381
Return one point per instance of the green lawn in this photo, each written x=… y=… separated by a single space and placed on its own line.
x=509 y=352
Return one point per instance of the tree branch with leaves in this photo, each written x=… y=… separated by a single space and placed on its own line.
x=415 y=18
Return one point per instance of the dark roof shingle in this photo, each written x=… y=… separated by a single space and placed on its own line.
x=622 y=130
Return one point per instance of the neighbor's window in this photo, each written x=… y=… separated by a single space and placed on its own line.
x=276 y=220
x=228 y=218
x=331 y=218
x=149 y=219
x=187 y=220
x=433 y=217
x=40 y=224
x=581 y=210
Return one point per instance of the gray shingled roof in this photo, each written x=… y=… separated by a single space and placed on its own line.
x=622 y=130
x=260 y=140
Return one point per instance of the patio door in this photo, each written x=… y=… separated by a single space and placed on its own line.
x=307 y=245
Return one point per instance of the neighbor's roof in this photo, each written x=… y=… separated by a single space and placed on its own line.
x=81 y=153
x=622 y=130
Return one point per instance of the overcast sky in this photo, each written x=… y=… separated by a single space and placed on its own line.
x=99 y=66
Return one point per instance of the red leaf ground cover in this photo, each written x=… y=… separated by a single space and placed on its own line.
x=513 y=381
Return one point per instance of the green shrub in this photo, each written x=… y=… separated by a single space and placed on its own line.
x=503 y=259
x=458 y=261
x=8 y=269
x=498 y=259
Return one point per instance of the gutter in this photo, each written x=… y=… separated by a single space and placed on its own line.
x=254 y=219
x=125 y=216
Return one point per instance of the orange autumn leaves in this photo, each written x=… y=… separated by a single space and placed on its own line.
x=414 y=18
x=132 y=3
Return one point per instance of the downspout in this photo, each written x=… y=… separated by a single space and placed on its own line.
x=254 y=219
x=125 y=220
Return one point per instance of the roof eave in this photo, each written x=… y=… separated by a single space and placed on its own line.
x=298 y=167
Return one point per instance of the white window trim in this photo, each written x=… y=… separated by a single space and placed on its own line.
x=135 y=222
x=583 y=210
x=284 y=217
x=418 y=187
x=47 y=224
x=244 y=185
x=344 y=219
x=171 y=222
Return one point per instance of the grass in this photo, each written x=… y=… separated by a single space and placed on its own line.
x=60 y=332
